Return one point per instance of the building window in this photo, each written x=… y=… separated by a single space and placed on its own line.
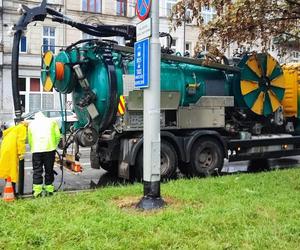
x=122 y=7
x=208 y=14
x=23 y=102
x=38 y=99
x=173 y=44
x=47 y=101
x=34 y=102
x=48 y=39
x=22 y=89
x=188 y=47
x=92 y=5
x=23 y=44
x=22 y=84
x=33 y=97
x=34 y=85
x=169 y=6
x=296 y=56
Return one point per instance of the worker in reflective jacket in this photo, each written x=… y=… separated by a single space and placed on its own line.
x=43 y=138
x=12 y=150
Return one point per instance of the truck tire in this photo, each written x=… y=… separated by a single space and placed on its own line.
x=168 y=159
x=206 y=157
x=258 y=165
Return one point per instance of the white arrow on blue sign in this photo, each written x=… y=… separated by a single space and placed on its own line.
x=141 y=64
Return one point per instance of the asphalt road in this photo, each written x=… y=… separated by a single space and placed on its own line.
x=89 y=178
x=93 y=178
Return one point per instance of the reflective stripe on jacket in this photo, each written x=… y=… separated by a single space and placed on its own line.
x=12 y=149
x=43 y=135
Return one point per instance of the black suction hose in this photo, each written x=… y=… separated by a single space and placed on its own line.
x=16 y=98
x=15 y=75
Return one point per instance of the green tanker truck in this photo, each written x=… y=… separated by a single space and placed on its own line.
x=209 y=111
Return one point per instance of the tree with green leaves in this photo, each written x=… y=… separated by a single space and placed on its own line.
x=244 y=22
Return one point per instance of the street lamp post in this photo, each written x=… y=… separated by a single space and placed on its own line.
x=152 y=198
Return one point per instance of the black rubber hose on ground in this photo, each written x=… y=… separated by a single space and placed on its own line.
x=61 y=163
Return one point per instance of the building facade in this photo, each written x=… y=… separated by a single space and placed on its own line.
x=41 y=36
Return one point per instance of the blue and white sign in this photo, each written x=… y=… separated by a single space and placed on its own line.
x=141 y=64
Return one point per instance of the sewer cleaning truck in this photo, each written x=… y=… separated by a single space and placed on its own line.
x=209 y=111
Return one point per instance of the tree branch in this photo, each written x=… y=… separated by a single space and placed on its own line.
x=296 y=2
x=292 y=35
x=283 y=19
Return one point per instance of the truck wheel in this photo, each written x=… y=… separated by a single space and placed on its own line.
x=206 y=157
x=168 y=161
x=258 y=165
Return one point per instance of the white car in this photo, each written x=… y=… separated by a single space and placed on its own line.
x=70 y=117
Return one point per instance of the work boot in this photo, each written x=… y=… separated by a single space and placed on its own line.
x=37 y=190
x=49 y=189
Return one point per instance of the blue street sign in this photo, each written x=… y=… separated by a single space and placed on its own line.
x=141 y=63
x=143 y=8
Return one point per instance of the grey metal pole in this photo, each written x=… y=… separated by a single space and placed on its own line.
x=21 y=178
x=152 y=198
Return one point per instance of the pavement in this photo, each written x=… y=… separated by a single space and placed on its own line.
x=94 y=178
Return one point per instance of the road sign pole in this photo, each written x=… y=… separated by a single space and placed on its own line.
x=152 y=198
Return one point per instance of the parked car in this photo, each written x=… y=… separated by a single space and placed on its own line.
x=69 y=116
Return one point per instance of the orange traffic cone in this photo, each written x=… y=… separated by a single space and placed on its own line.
x=8 y=193
x=77 y=167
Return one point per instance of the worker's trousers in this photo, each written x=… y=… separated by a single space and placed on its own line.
x=43 y=160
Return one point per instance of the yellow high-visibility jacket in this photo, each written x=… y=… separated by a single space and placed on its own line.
x=43 y=134
x=12 y=150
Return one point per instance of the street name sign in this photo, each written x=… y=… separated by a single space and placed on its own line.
x=141 y=63
x=143 y=29
x=143 y=8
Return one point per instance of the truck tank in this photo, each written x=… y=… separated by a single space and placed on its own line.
x=94 y=72
x=191 y=81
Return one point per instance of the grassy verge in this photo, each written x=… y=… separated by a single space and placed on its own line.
x=249 y=211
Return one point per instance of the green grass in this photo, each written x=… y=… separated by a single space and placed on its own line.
x=247 y=211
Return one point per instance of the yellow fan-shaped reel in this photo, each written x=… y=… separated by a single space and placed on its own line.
x=248 y=86
x=48 y=57
x=48 y=84
x=252 y=63
x=47 y=60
